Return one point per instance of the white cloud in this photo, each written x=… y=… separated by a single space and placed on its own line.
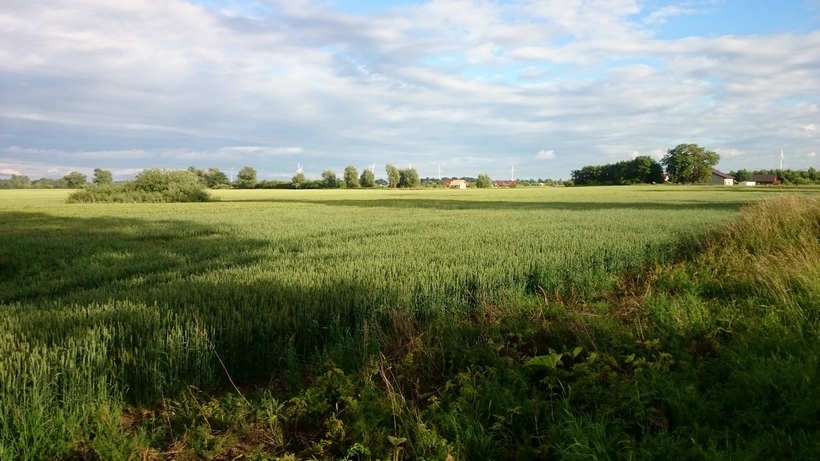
x=546 y=155
x=812 y=155
x=9 y=171
x=729 y=152
x=661 y=15
x=142 y=84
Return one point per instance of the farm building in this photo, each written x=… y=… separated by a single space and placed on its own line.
x=458 y=184
x=504 y=183
x=721 y=178
x=766 y=179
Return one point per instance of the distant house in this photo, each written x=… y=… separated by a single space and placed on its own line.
x=766 y=179
x=458 y=184
x=721 y=178
x=504 y=183
x=446 y=182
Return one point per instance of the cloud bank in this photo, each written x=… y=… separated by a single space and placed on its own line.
x=473 y=85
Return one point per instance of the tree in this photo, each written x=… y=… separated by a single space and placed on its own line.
x=690 y=163
x=216 y=178
x=367 y=179
x=75 y=180
x=330 y=179
x=351 y=177
x=102 y=177
x=246 y=178
x=409 y=177
x=484 y=181
x=18 y=181
x=393 y=175
x=741 y=175
x=299 y=180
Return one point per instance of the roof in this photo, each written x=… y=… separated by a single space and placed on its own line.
x=764 y=177
x=721 y=174
x=458 y=182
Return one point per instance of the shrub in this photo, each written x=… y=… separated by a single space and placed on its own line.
x=150 y=186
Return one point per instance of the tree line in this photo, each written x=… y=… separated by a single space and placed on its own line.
x=73 y=180
x=787 y=177
x=684 y=164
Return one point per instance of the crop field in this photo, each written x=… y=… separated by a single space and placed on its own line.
x=108 y=306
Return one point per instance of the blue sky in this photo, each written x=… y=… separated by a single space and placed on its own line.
x=471 y=86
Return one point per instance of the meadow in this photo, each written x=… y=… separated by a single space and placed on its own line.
x=386 y=324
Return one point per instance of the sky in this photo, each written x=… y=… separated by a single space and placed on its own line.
x=541 y=87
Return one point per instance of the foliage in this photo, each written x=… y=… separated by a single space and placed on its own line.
x=216 y=178
x=246 y=178
x=367 y=179
x=787 y=176
x=484 y=181
x=152 y=186
x=640 y=170
x=16 y=181
x=689 y=163
x=351 y=177
x=102 y=177
x=299 y=180
x=393 y=175
x=329 y=179
x=75 y=180
x=409 y=178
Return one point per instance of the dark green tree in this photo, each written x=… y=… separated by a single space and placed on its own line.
x=102 y=177
x=216 y=178
x=329 y=179
x=351 y=177
x=690 y=163
x=75 y=180
x=741 y=175
x=246 y=178
x=299 y=180
x=409 y=177
x=367 y=179
x=483 y=181
x=393 y=175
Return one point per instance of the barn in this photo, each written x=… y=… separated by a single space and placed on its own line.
x=721 y=178
x=458 y=184
x=766 y=179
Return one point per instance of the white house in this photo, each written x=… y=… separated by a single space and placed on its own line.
x=458 y=184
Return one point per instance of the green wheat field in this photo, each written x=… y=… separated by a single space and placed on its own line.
x=531 y=323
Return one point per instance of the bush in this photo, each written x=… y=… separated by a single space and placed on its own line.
x=150 y=186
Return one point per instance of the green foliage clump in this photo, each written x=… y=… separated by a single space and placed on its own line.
x=689 y=163
x=150 y=186
x=641 y=170
x=367 y=178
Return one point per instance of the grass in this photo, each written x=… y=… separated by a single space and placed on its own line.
x=622 y=322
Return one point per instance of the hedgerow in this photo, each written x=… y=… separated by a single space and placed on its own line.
x=150 y=186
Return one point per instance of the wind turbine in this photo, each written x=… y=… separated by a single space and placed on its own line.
x=781 y=158
x=373 y=168
x=298 y=168
x=512 y=173
x=232 y=173
x=439 y=172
